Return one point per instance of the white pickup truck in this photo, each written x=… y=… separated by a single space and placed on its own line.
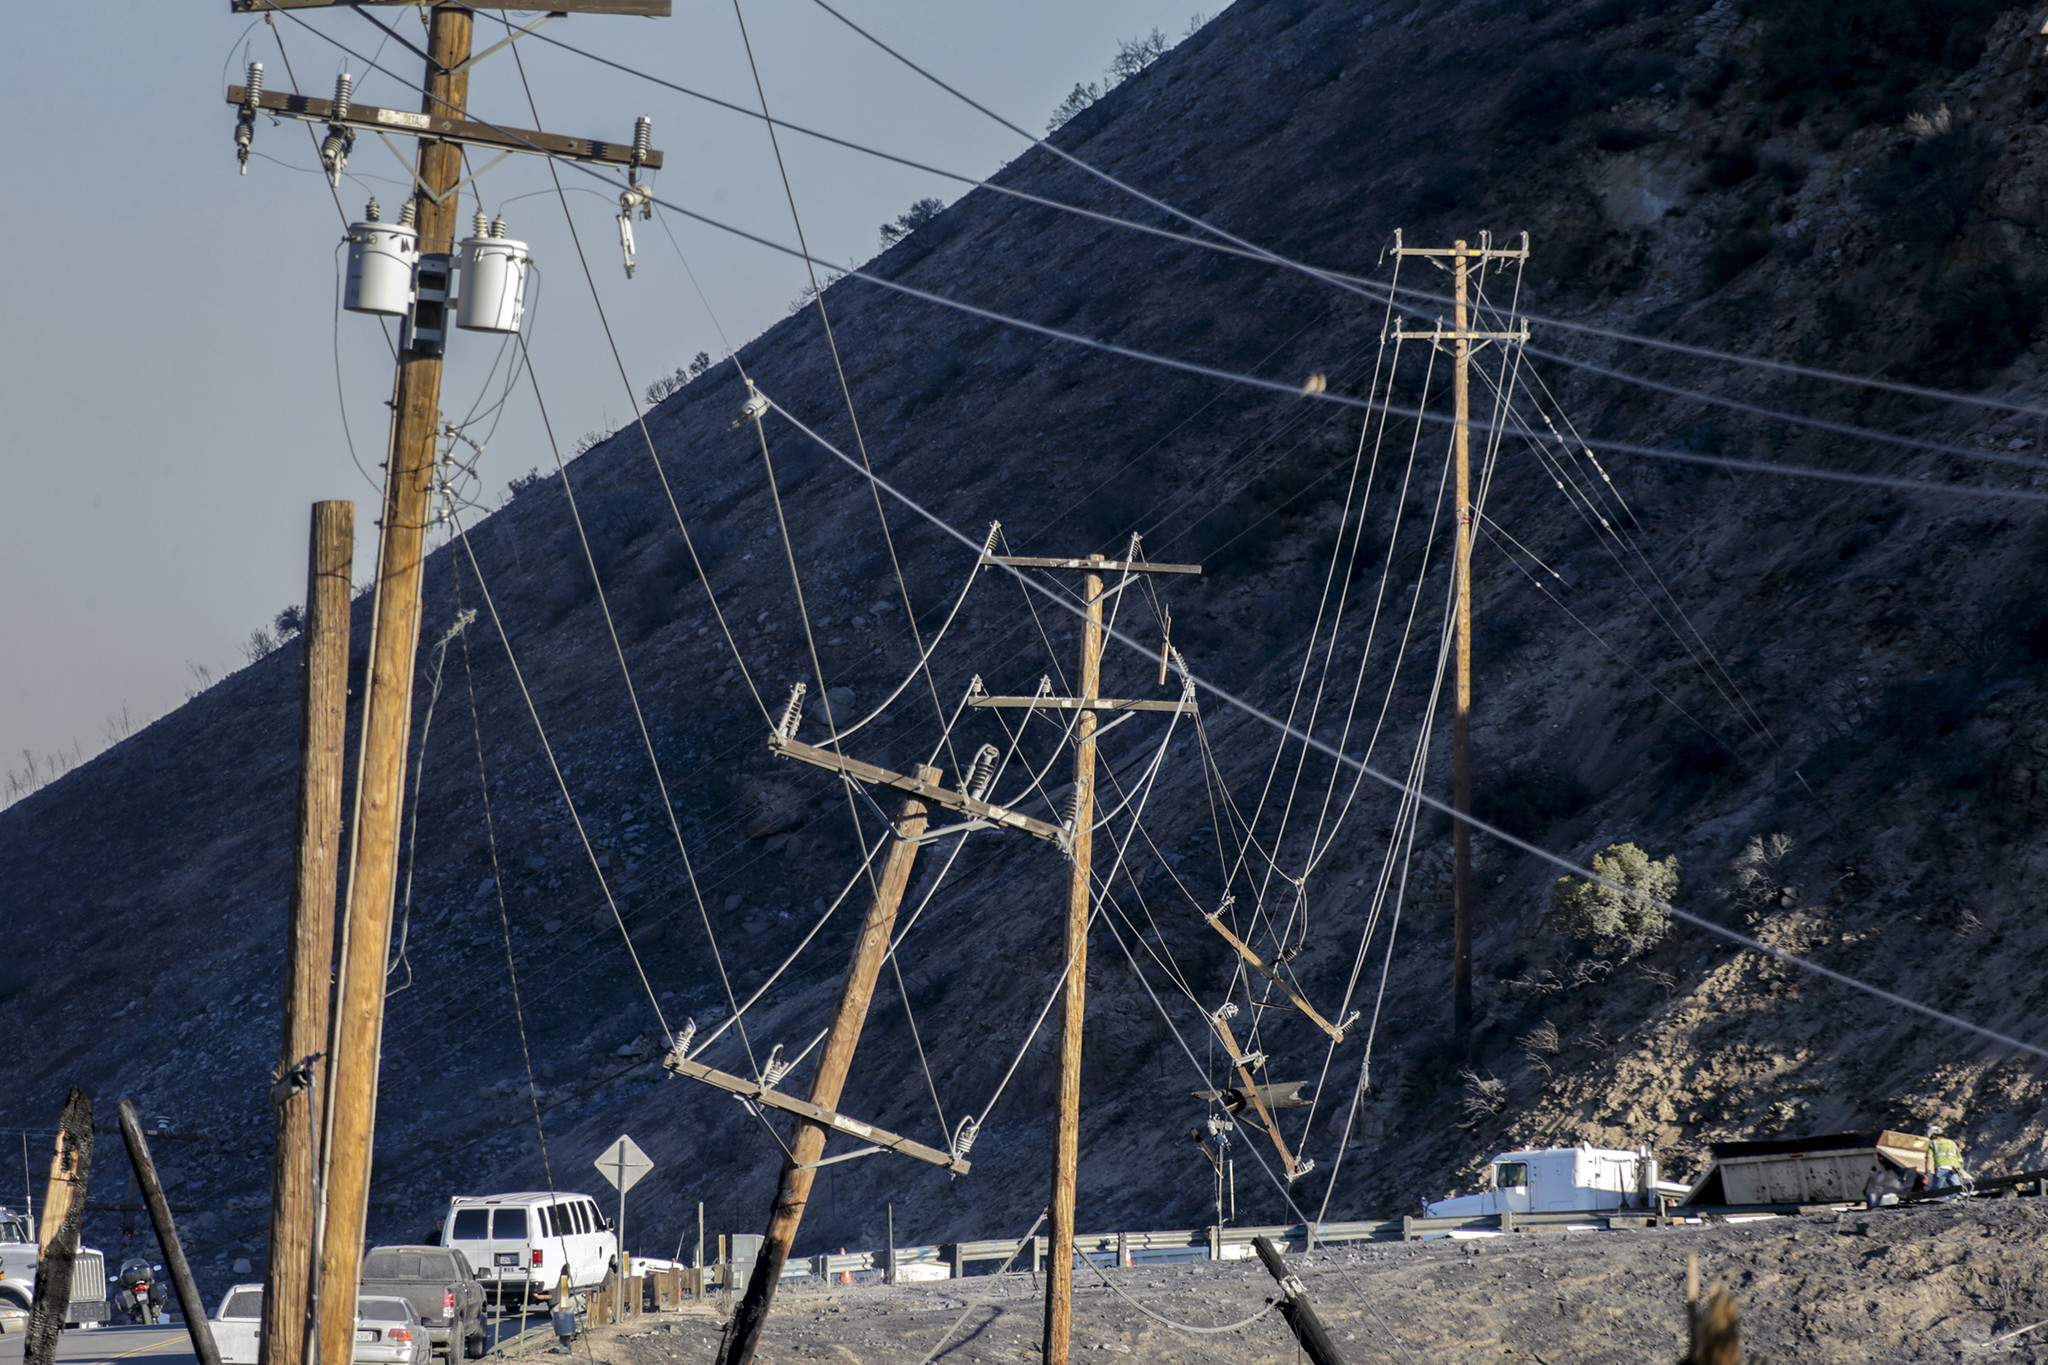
x=238 y=1326
x=1562 y=1180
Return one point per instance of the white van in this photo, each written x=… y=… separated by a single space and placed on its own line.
x=522 y=1244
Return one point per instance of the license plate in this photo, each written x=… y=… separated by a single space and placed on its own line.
x=366 y=1334
x=504 y=1258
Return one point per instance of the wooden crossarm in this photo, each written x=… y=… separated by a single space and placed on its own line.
x=651 y=9
x=902 y=782
x=775 y=1099
x=1251 y=1089
x=313 y=109
x=1080 y=704
x=1091 y=565
x=1257 y=964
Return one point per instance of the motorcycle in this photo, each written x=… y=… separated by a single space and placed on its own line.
x=142 y=1292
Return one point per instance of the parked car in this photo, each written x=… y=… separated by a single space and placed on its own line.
x=238 y=1326
x=441 y=1287
x=389 y=1332
x=522 y=1245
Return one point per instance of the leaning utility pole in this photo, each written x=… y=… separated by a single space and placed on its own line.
x=800 y=1167
x=63 y=1216
x=1066 y=1154
x=406 y=270
x=197 y=1326
x=1461 y=338
x=309 y=956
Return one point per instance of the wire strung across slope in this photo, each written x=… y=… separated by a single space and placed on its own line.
x=839 y=369
x=555 y=767
x=1261 y=253
x=1395 y=784
x=1273 y=386
x=1328 y=275
x=639 y=418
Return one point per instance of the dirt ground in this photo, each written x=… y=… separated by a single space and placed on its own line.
x=1929 y=1283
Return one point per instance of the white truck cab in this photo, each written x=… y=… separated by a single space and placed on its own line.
x=1562 y=1180
x=521 y=1245
x=18 y=1256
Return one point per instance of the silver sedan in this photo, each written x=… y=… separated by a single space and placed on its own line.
x=389 y=1332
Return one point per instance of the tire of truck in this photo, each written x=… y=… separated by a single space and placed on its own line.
x=473 y=1346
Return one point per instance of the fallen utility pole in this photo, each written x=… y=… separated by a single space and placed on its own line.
x=1066 y=1157
x=57 y=1238
x=1296 y=1308
x=800 y=1167
x=309 y=952
x=190 y=1306
x=1461 y=337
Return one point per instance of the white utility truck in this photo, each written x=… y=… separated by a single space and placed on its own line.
x=1562 y=1180
x=18 y=1257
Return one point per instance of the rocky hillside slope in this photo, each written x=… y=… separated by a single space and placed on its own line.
x=1858 y=668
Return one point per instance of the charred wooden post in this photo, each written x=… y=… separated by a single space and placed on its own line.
x=63 y=1215
x=192 y=1307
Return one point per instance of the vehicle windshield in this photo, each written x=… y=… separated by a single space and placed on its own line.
x=394 y=1265
x=383 y=1310
x=472 y=1225
x=509 y=1225
x=244 y=1303
x=1510 y=1175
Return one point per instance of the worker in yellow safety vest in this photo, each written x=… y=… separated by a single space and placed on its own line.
x=1944 y=1161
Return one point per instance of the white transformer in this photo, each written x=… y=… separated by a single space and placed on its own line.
x=381 y=257
x=493 y=280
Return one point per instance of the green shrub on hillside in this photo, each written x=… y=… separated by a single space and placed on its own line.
x=1611 y=920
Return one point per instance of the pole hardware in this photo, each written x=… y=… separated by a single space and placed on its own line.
x=440 y=127
x=250 y=97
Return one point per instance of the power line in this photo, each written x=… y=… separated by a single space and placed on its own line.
x=1272 y=386
x=1398 y=785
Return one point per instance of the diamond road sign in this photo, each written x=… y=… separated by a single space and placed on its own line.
x=623 y=1163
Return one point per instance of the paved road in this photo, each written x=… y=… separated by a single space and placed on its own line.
x=129 y=1345
x=170 y=1345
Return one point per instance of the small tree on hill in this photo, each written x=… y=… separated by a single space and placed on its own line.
x=910 y=220
x=1611 y=920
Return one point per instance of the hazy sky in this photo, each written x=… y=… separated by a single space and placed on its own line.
x=168 y=368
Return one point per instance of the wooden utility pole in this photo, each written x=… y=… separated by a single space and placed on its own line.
x=1066 y=1150
x=347 y=1106
x=190 y=1306
x=1313 y=1338
x=1461 y=337
x=309 y=952
x=57 y=1238
x=1075 y=836
x=1066 y=1141
x=800 y=1167
x=350 y=1105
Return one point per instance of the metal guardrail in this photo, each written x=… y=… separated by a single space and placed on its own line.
x=1231 y=1243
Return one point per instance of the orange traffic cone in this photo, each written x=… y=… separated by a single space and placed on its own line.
x=845 y=1276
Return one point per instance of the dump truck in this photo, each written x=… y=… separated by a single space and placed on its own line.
x=1831 y=1168
x=1562 y=1180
